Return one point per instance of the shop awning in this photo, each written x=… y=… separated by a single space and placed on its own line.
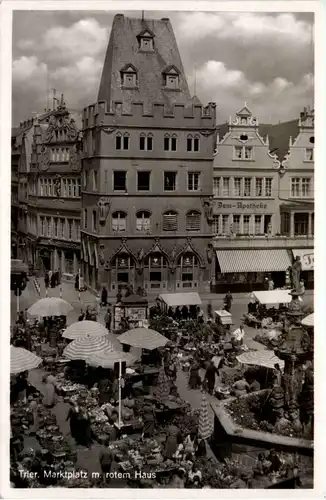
x=181 y=299
x=253 y=261
x=306 y=256
x=269 y=297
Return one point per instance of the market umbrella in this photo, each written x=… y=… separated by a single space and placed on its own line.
x=260 y=358
x=85 y=328
x=308 y=320
x=83 y=348
x=204 y=426
x=144 y=338
x=22 y=360
x=110 y=356
x=50 y=306
x=162 y=390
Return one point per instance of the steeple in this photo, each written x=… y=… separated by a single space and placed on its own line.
x=149 y=46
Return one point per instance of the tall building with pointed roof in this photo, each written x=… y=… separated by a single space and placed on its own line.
x=147 y=168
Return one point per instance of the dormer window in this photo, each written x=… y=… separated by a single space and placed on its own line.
x=171 y=78
x=145 y=41
x=129 y=77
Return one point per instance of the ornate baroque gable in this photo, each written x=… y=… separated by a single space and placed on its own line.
x=189 y=247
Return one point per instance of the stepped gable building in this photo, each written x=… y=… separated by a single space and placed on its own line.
x=49 y=192
x=253 y=192
x=147 y=168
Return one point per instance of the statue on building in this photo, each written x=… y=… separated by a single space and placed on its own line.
x=57 y=186
x=173 y=258
x=269 y=229
x=140 y=260
x=209 y=253
x=104 y=208
x=296 y=272
x=208 y=209
x=101 y=255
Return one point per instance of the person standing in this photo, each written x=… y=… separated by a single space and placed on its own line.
x=238 y=335
x=106 y=460
x=49 y=399
x=52 y=280
x=228 y=299
x=108 y=319
x=210 y=378
x=46 y=279
x=77 y=282
x=104 y=297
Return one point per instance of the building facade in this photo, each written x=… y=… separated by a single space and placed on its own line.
x=147 y=168
x=259 y=223
x=49 y=192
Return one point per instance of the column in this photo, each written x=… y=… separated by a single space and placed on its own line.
x=309 y=224
x=63 y=262
x=292 y=224
x=75 y=264
x=55 y=260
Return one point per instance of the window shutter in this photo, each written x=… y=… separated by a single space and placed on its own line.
x=193 y=221
x=170 y=222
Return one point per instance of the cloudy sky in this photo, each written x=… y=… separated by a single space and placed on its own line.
x=265 y=59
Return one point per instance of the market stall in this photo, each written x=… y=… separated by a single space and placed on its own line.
x=132 y=311
x=263 y=305
x=167 y=300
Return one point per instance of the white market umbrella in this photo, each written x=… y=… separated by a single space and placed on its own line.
x=145 y=338
x=308 y=320
x=83 y=348
x=50 y=306
x=22 y=360
x=110 y=356
x=260 y=358
x=85 y=328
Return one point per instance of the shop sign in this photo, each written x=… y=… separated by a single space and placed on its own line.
x=240 y=205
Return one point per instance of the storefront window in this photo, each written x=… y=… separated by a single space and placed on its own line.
x=216 y=224
x=237 y=186
x=247 y=186
x=300 y=224
x=236 y=224
x=257 y=224
x=225 y=223
x=226 y=186
x=259 y=186
x=246 y=224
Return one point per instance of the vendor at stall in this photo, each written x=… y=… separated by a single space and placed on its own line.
x=240 y=386
x=194 y=381
x=237 y=336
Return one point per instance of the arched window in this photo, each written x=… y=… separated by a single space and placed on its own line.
x=167 y=142
x=142 y=142
x=193 y=221
x=122 y=141
x=85 y=218
x=146 y=142
x=193 y=143
x=170 y=221
x=126 y=141
x=143 y=221
x=119 y=220
x=188 y=262
x=196 y=143
x=94 y=220
x=118 y=141
x=189 y=143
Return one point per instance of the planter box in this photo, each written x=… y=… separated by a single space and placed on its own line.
x=229 y=438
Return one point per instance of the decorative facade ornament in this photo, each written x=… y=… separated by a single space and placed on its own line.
x=57 y=186
x=123 y=248
x=243 y=138
x=61 y=127
x=189 y=248
x=74 y=159
x=206 y=133
x=103 y=204
x=208 y=208
x=276 y=161
x=109 y=130
x=210 y=253
x=101 y=254
x=44 y=159
x=140 y=260
x=157 y=248
x=173 y=259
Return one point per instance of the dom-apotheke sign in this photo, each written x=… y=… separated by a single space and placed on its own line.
x=232 y=206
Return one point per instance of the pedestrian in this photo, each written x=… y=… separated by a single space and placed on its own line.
x=210 y=378
x=88 y=313
x=77 y=282
x=177 y=314
x=172 y=441
x=82 y=315
x=52 y=280
x=185 y=313
x=228 y=299
x=238 y=335
x=277 y=374
x=49 y=399
x=46 y=279
x=104 y=297
x=194 y=378
x=271 y=284
x=106 y=459
x=50 y=274
x=108 y=319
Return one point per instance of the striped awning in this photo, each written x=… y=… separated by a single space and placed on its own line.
x=253 y=261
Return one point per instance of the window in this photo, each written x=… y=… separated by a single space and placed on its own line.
x=295 y=186
x=119 y=221
x=155 y=276
x=170 y=221
x=62 y=227
x=258 y=219
x=143 y=181
x=170 y=143
x=313 y=223
x=49 y=226
x=309 y=154
x=118 y=141
x=301 y=221
x=226 y=186
x=238 y=150
x=236 y=224
x=143 y=221
x=237 y=186
x=247 y=186
x=246 y=224
x=85 y=218
x=216 y=224
x=306 y=186
x=106 y=181
x=94 y=222
x=42 y=226
x=225 y=224
x=193 y=181
x=94 y=180
x=171 y=78
x=170 y=179
x=267 y=224
x=146 y=142
x=193 y=143
x=77 y=226
x=70 y=226
x=129 y=77
x=142 y=142
x=285 y=223
x=216 y=186
x=55 y=227
x=85 y=178
x=119 y=180
x=259 y=186
x=146 y=44
x=268 y=186
x=193 y=221
x=248 y=152
x=149 y=142
x=126 y=142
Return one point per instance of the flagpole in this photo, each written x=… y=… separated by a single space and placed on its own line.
x=120 y=375
x=79 y=284
x=17 y=302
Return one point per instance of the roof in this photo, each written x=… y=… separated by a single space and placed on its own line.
x=181 y=299
x=253 y=261
x=270 y=297
x=134 y=299
x=123 y=49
